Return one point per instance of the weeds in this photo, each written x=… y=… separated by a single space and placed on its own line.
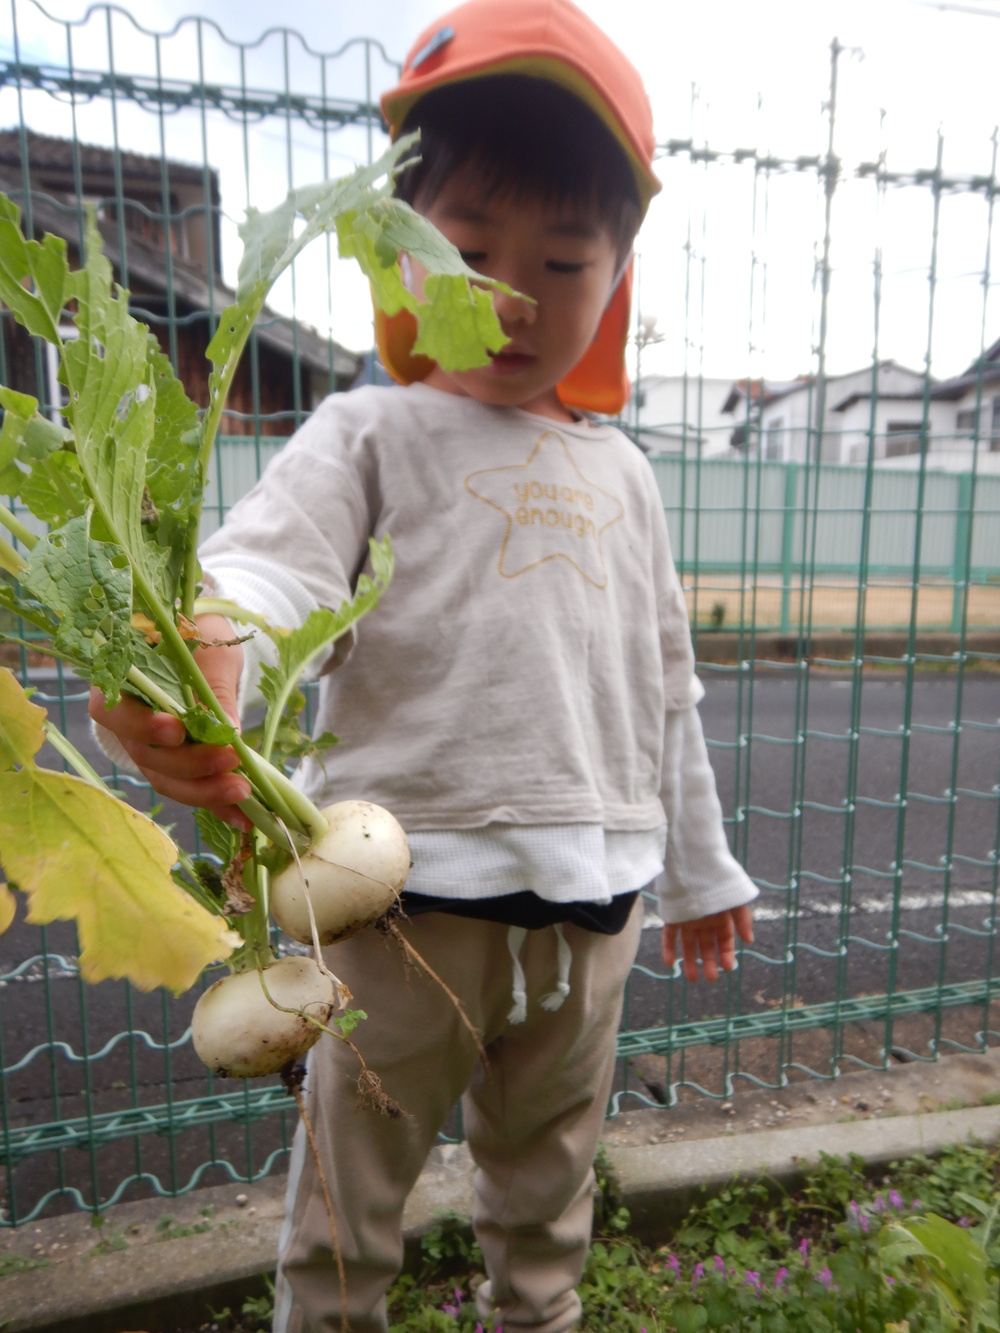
x=917 y=1251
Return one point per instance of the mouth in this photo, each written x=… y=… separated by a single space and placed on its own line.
x=507 y=362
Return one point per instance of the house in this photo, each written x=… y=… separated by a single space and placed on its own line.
x=972 y=403
x=161 y=234
x=902 y=413
x=680 y=414
x=781 y=422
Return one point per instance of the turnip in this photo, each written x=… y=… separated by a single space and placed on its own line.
x=239 y=1033
x=352 y=875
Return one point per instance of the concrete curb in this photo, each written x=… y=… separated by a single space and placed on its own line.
x=155 y=1286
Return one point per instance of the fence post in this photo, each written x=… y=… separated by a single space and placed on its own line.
x=787 y=542
x=960 y=557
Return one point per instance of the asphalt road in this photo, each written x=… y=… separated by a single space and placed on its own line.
x=782 y=754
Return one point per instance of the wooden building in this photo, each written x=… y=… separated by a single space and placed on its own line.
x=160 y=224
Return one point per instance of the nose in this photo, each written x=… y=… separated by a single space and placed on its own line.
x=514 y=308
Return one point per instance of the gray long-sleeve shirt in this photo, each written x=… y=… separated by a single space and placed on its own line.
x=521 y=666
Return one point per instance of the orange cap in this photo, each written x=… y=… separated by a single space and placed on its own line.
x=553 y=40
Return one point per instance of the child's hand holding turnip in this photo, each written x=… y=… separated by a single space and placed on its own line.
x=158 y=744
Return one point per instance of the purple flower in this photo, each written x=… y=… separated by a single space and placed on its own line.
x=779 y=1278
x=896 y=1199
x=673 y=1262
x=890 y=1281
x=965 y=1221
x=752 y=1279
x=826 y=1277
x=454 y=1310
x=804 y=1250
x=879 y=1204
x=697 y=1275
x=916 y=1205
x=719 y=1263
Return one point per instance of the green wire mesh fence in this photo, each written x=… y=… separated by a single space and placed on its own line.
x=837 y=535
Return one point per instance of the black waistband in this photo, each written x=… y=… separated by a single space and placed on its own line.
x=526 y=909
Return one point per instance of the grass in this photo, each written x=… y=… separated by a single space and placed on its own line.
x=843 y=1254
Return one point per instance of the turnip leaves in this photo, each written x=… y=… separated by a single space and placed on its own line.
x=113 y=582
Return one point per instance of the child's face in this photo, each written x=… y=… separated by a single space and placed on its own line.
x=562 y=256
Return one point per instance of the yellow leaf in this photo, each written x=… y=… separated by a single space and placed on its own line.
x=21 y=731
x=80 y=854
x=6 y=907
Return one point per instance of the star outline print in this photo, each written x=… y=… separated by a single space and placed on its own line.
x=572 y=512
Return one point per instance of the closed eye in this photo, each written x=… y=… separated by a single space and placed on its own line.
x=473 y=257
x=557 y=266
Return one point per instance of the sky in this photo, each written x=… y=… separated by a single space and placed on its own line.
x=727 y=259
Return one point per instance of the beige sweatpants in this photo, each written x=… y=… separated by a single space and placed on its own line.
x=532 y=1119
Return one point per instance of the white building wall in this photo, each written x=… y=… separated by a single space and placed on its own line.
x=677 y=414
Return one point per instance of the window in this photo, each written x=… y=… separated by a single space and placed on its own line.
x=774 y=445
x=966 y=421
x=57 y=396
x=902 y=437
x=995 y=426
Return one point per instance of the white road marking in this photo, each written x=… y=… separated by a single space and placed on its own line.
x=909 y=902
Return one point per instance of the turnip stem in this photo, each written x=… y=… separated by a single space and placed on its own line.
x=272 y=827
x=153 y=692
x=254 y=926
x=274 y=786
x=278 y=792
x=17 y=529
x=11 y=560
x=72 y=755
x=221 y=606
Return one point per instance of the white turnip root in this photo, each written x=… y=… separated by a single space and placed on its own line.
x=353 y=875
x=238 y=1033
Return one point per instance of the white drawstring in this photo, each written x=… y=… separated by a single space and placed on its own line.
x=515 y=938
x=554 y=999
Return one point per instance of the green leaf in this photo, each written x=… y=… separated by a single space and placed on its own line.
x=219 y=837
x=89 y=584
x=54 y=490
x=43 y=264
x=37 y=461
x=112 y=400
x=18 y=408
x=458 y=326
x=173 y=476
x=105 y=865
x=321 y=629
x=205 y=726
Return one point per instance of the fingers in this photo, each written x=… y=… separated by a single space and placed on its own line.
x=132 y=721
x=669 y=944
x=699 y=941
x=743 y=921
x=709 y=941
x=221 y=663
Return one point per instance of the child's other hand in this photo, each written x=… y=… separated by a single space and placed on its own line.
x=197 y=775
x=710 y=938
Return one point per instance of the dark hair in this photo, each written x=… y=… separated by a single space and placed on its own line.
x=524 y=137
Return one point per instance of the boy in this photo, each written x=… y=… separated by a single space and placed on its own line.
x=523 y=700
